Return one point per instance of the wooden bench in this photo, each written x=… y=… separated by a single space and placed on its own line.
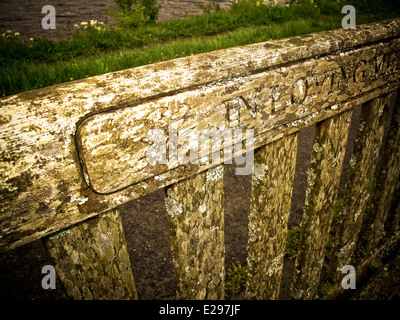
x=72 y=153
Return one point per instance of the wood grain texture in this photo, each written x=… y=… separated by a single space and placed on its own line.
x=271 y=194
x=322 y=187
x=195 y=209
x=92 y=261
x=45 y=177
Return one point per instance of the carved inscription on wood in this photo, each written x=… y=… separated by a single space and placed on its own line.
x=56 y=149
x=113 y=145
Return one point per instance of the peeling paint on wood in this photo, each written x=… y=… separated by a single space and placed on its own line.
x=271 y=194
x=44 y=164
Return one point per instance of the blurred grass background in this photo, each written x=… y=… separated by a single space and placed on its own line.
x=93 y=48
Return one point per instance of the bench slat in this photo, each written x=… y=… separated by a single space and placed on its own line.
x=323 y=180
x=359 y=181
x=271 y=194
x=92 y=261
x=392 y=223
x=50 y=181
x=373 y=225
x=195 y=210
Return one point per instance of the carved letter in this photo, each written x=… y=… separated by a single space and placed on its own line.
x=360 y=72
x=299 y=92
x=324 y=84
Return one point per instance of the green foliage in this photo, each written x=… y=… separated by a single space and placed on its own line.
x=361 y=6
x=18 y=75
x=293 y=242
x=336 y=219
x=209 y=7
x=258 y=12
x=150 y=9
x=236 y=279
x=324 y=288
x=329 y=7
x=132 y=18
x=134 y=13
x=373 y=5
x=94 y=49
x=126 y=5
x=337 y=212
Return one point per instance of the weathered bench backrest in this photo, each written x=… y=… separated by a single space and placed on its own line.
x=74 y=151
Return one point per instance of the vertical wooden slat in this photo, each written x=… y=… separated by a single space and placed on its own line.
x=373 y=225
x=362 y=167
x=195 y=208
x=392 y=223
x=92 y=261
x=322 y=187
x=271 y=193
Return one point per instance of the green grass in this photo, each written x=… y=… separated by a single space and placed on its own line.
x=236 y=279
x=33 y=64
x=95 y=40
x=27 y=75
x=293 y=242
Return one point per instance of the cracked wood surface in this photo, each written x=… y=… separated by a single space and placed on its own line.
x=53 y=175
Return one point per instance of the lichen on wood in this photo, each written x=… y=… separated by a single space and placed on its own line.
x=50 y=180
x=392 y=223
x=271 y=194
x=373 y=225
x=91 y=259
x=322 y=186
x=113 y=145
x=195 y=210
x=359 y=181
